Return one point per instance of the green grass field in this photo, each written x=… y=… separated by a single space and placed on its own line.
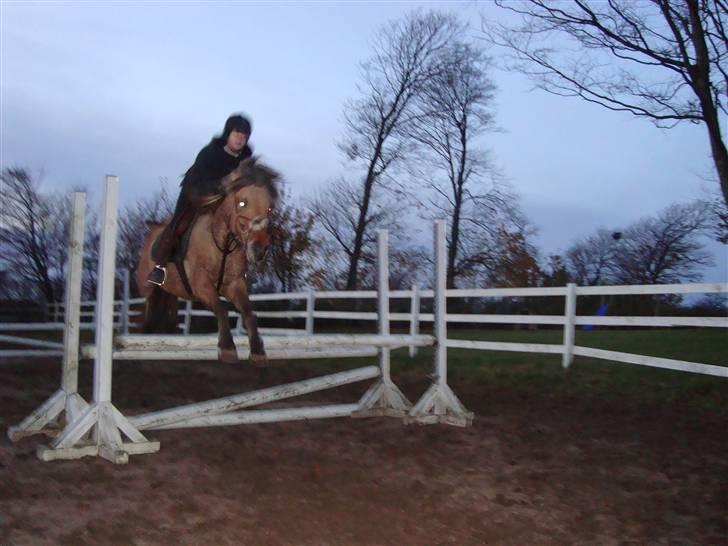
x=536 y=374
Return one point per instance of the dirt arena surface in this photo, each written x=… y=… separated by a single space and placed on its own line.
x=536 y=468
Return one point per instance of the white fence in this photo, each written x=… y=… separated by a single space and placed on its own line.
x=569 y=320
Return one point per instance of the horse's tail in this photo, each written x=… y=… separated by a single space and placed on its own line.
x=160 y=313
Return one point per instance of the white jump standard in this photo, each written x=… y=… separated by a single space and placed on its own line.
x=65 y=403
x=100 y=429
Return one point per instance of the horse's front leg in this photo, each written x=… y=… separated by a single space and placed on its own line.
x=226 y=351
x=238 y=295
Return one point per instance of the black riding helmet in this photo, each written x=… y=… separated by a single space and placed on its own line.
x=236 y=122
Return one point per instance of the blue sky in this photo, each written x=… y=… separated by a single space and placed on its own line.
x=136 y=89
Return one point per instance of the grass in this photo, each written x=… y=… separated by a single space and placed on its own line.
x=536 y=374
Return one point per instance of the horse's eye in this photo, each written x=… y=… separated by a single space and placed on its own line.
x=243 y=203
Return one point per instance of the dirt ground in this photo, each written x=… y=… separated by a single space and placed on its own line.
x=533 y=470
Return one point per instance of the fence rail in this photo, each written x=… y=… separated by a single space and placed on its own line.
x=568 y=320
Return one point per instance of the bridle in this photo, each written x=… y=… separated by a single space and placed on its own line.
x=232 y=242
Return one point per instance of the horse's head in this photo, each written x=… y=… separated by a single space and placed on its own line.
x=250 y=202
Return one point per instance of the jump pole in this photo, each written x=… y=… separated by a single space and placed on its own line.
x=65 y=403
x=101 y=419
x=439 y=403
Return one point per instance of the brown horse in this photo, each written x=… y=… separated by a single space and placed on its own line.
x=226 y=237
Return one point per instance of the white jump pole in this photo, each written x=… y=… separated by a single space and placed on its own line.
x=383 y=398
x=66 y=398
x=101 y=418
x=439 y=403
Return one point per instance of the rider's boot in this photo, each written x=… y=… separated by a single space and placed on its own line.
x=158 y=275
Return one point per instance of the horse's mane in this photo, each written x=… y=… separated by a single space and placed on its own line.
x=252 y=172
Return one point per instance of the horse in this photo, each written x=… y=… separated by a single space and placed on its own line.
x=226 y=237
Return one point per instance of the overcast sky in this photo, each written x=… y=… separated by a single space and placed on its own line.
x=135 y=89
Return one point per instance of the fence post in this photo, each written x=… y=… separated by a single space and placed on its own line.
x=188 y=318
x=414 y=317
x=125 y=301
x=569 y=321
x=310 y=306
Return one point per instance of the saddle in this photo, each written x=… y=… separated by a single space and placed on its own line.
x=180 y=247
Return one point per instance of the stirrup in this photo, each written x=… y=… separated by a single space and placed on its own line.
x=153 y=275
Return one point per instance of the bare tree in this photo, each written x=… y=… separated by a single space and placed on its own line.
x=33 y=228
x=591 y=261
x=666 y=248
x=291 y=245
x=720 y=211
x=337 y=210
x=665 y=60
x=405 y=58
x=453 y=111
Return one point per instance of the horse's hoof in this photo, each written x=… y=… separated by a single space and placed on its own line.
x=259 y=360
x=228 y=356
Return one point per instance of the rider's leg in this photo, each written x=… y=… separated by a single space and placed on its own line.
x=183 y=214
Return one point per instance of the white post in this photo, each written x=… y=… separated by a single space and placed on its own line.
x=383 y=298
x=383 y=398
x=188 y=318
x=73 y=296
x=310 y=307
x=569 y=322
x=440 y=304
x=105 y=293
x=414 y=317
x=125 y=301
x=66 y=398
x=105 y=423
x=439 y=403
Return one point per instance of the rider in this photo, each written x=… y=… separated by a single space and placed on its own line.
x=201 y=186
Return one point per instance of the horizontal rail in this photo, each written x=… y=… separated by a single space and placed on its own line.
x=30 y=342
x=265 y=416
x=255 y=398
x=642 y=360
x=503 y=346
x=510 y=319
x=501 y=292
x=281 y=296
x=708 y=322
x=280 y=314
x=30 y=326
x=209 y=354
x=208 y=341
x=617 y=290
x=348 y=315
x=29 y=353
x=343 y=294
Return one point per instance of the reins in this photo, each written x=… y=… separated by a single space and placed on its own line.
x=229 y=246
